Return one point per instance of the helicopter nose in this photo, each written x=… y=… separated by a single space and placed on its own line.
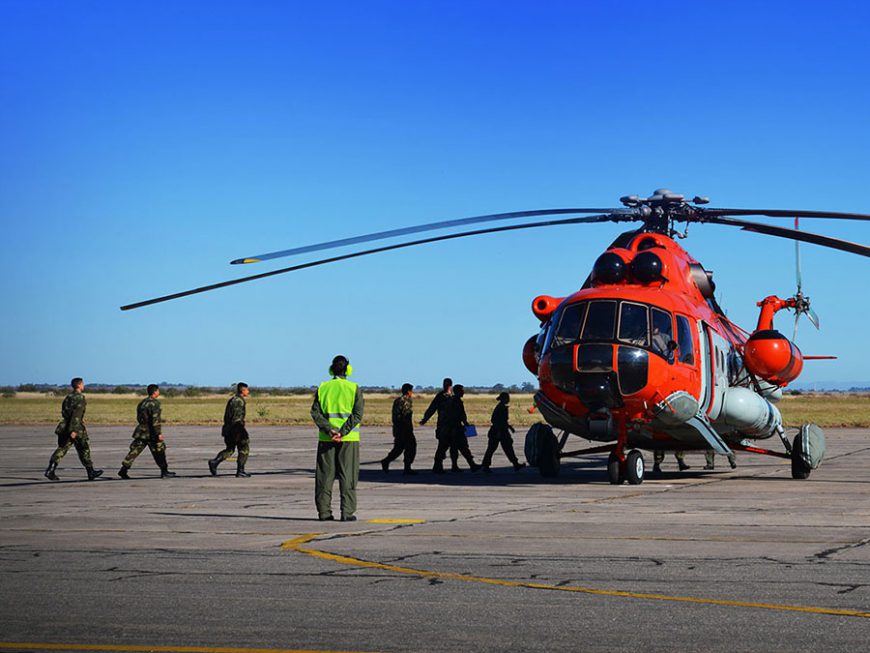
x=600 y=375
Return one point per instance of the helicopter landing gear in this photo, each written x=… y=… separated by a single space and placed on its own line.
x=807 y=451
x=542 y=450
x=631 y=469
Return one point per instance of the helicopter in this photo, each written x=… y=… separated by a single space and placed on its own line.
x=641 y=357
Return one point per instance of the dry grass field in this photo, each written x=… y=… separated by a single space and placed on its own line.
x=827 y=410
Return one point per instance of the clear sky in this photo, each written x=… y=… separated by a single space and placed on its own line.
x=143 y=145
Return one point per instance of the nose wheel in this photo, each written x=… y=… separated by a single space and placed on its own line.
x=630 y=469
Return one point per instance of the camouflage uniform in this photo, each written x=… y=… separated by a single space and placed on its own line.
x=500 y=433
x=147 y=434
x=403 y=433
x=235 y=436
x=73 y=413
x=710 y=456
x=659 y=456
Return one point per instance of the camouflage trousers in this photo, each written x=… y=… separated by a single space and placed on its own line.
x=232 y=445
x=659 y=456
x=157 y=447
x=83 y=449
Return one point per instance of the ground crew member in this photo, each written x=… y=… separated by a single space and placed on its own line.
x=442 y=431
x=337 y=411
x=234 y=433
x=659 y=456
x=403 y=431
x=456 y=420
x=148 y=433
x=710 y=456
x=500 y=433
x=72 y=432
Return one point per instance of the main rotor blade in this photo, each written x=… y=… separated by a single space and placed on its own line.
x=223 y=284
x=431 y=226
x=783 y=213
x=803 y=236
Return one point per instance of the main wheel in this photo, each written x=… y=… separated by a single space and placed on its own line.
x=614 y=470
x=634 y=467
x=799 y=469
x=530 y=448
x=548 y=452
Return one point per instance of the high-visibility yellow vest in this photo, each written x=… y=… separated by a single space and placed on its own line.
x=336 y=401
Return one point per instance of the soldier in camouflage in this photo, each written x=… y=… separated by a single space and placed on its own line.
x=234 y=433
x=403 y=431
x=148 y=433
x=72 y=432
x=659 y=456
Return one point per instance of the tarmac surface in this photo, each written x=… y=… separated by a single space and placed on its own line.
x=742 y=560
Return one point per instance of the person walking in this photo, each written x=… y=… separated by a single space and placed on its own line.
x=148 y=433
x=500 y=434
x=72 y=432
x=337 y=411
x=234 y=433
x=710 y=457
x=403 y=431
x=439 y=404
x=659 y=456
x=457 y=421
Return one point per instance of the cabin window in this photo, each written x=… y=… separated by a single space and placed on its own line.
x=684 y=340
x=569 y=325
x=633 y=324
x=600 y=321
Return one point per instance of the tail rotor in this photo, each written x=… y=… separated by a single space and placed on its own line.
x=801 y=301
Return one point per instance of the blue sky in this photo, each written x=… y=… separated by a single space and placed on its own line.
x=143 y=145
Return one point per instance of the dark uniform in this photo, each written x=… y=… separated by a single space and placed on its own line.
x=500 y=434
x=455 y=422
x=403 y=434
x=439 y=404
x=235 y=436
x=147 y=434
x=73 y=413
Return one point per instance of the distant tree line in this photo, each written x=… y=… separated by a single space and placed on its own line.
x=180 y=390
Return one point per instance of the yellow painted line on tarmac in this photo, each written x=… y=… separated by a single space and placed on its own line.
x=396 y=521
x=39 y=646
x=297 y=544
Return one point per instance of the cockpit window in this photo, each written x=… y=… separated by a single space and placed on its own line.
x=571 y=320
x=662 y=333
x=684 y=340
x=633 y=324
x=601 y=321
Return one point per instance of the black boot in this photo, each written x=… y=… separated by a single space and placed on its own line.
x=49 y=472
x=212 y=465
x=518 y=465
x=164 y=467
x=93 y=473
x=123 y=472
x=240 y=471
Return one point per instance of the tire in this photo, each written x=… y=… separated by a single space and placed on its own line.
x=799 y=469
x=548 y=452
x=530 y=447
x=634 y=467
x=614 y=473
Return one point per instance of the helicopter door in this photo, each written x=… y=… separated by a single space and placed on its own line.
x=720 y=372
x=706 y=394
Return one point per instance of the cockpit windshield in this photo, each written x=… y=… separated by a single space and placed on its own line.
x=608 y=320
